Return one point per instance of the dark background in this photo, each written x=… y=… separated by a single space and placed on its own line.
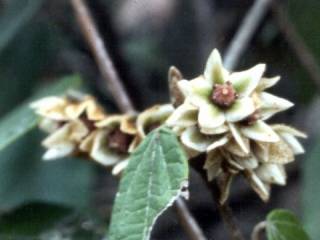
x=40 y=41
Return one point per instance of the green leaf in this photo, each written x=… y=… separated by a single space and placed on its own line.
x=42 y=216
x=14 y=17
x=310 y=195
x=153 y=179
x=22 y=119
x=283 y=225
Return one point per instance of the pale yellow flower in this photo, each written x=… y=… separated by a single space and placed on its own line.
x=112 y=141
x=68 y=120
x=220 y=102
x=262 y=167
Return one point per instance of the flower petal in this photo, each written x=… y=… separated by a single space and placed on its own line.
x=213 y=165
x=261 y=151
x=234 y=148
x=280 y=153
x=101 y=153
x=110 y=122
x=258 y=186
x=213 y=131
x=51 y=107
x=61 y=150
x=184 y=116
x=270 y=105
x=246 y=82
x=152 y=118
x=241 y=109
x=210 y=116
x=281 y=128
x=194 y=140
x=119 y=167
x=267 y=83
x=218 y=143
x=289 y=135
x=260 y=131
x=214 y=72
x=272 y=173
x=78 y=131
x=48 y=125
x=59 y=136
x=249 y=162
x=198 y=86
x=87 y=143
x=239 y=138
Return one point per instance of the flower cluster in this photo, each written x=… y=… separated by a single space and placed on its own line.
x=219 y=115
x=223 y=115
x=79 y=126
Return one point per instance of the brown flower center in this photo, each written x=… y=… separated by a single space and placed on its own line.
x=119 y=141
x=224 y=95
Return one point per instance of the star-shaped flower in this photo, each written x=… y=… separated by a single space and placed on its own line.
x=220 y=102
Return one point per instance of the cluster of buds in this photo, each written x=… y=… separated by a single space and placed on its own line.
x=78 y=126
x=218 y=115
x=223 y=115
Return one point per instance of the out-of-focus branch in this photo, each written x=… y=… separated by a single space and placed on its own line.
x=121 y=97
x=245 y=32
x=296 y=43
x=102 y=57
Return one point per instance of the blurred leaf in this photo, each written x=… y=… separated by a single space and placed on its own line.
x=25 y=178
x=307 y=25
x=283 y=225
x=310 y=193
x=32 y=219
x=26 y=62
x=22 y=119
x=152 y=180
x=14 y=17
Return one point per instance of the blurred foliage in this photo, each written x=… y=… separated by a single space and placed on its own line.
x=310 y=191
x=307 y=25
x=284 y=225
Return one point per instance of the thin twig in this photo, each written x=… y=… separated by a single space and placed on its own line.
x=121 y=97
x=225 y=211
x=257 y=230
x=227 y=215
x=102 y=57
x=245 y=32
x=296 y=43
x=187 y=221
